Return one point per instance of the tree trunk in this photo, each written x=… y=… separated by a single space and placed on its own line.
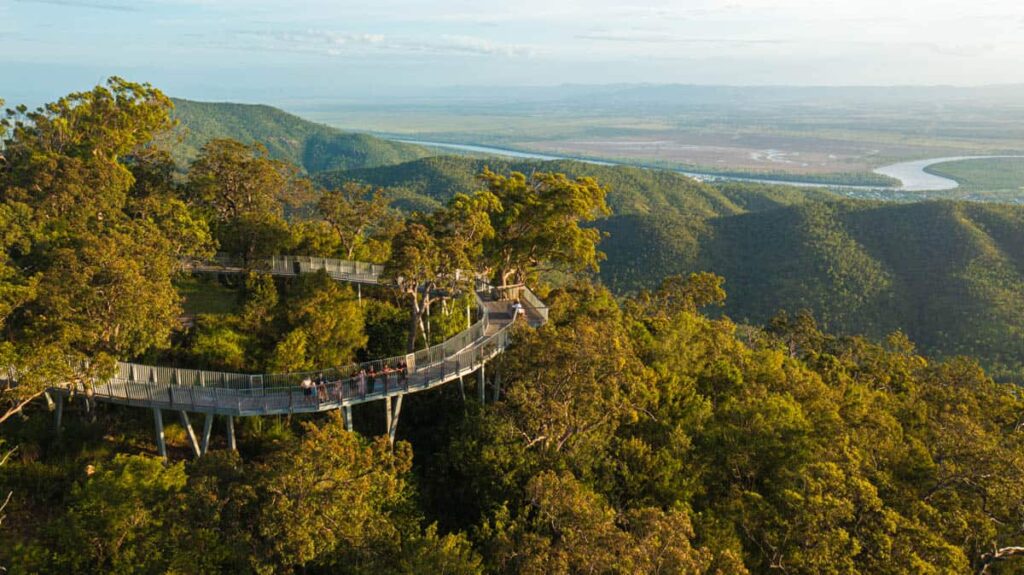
x=414 y=325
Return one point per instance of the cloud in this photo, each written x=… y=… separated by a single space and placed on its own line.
x=115 y=6
x=337 y=44
x=646 y=37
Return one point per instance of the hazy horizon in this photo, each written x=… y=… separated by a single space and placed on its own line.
x=258 y=51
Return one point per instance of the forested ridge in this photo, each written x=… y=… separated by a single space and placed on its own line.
x=311 y=146
x=638 y=431
x=949 y=274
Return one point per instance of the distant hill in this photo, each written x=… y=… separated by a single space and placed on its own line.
x=949 y=274
x=314 y=147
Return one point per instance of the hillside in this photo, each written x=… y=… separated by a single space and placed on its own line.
x=632 y=190
x=314 y=147
x=949 y=274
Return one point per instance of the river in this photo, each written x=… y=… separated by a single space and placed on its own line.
x=912 y=174
x=915 y=178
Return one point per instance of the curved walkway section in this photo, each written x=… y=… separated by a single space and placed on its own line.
x=237 y=394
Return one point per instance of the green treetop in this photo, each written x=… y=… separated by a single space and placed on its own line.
x=538 y=223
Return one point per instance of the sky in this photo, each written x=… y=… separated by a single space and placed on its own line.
x=258 y=50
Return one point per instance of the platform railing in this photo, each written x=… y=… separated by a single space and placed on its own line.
x=239 y=393
x=330 y=393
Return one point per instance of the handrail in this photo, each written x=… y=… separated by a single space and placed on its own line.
x=238 y=393
x=204 y=378
x=331 y=395
x=524 y=295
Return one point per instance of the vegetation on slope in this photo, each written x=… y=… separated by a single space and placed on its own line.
x=636 y=434
x=994 y=175
x=949 y=274
x=314 y=147
x=631 y=438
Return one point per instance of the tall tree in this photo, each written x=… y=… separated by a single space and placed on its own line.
x=329 y=320
x=243 y=193
x=436 y=256
x=86 y=271
x=362 y=218
x=538 y=223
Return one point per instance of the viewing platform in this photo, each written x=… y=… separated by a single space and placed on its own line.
x=214 y=393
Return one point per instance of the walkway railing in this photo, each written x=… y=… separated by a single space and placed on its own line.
x=255 y=394
x=341 y=270
x=261 y=399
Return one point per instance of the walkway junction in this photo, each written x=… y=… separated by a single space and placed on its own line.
x=212 y=393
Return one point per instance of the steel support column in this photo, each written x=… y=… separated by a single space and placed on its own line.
x=393 y=416
x=231 y=434
x=481 y=381
x=387 y=415
x=191 y=433
x=346 y=414
x=161 y=445
x=59 y=412
x=207 y=429
x=497 y=384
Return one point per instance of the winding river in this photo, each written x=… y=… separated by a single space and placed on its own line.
x=912 y=174
x=915 y=178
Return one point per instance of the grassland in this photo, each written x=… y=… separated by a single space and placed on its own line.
x=205 y=295
x=993 y=175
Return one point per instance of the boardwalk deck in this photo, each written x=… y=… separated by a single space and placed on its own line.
x=243 y=395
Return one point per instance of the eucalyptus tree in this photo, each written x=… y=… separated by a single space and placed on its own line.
x=362 y=218
x=243 y=193
x=86 y=267
x=435 y=257
x=538 y=223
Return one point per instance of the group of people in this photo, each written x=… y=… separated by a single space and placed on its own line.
x=316 y=386
x=366 y=379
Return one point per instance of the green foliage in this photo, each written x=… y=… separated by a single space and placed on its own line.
x=261 y=299
x=435 y=255
x=323 y=501
x=1003 y=176
x=790 y=450
x=632 y=435
x=385 y=329
x=949 y=274
x=360 y=218
x=117 y=517
x=97 y=234
x=313 y=322
x=216 y=343
x=567 y=528
x=242 y=193
x=314 y=147
x=433 y=181
x=537 y=223
x=329 y=317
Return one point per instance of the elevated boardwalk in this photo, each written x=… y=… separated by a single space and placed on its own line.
x=389 y=380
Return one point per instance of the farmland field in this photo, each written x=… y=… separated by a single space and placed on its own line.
x=800 y=132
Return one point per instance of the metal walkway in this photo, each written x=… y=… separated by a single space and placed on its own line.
x=240 y=395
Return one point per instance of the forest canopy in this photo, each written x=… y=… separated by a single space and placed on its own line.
x=639 y=432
